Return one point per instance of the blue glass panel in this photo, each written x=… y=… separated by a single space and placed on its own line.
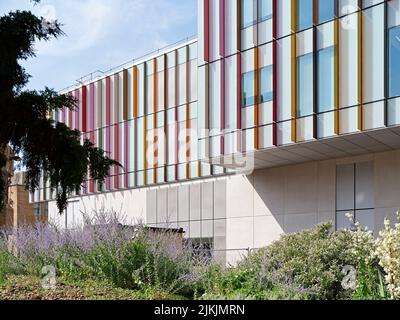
x=326 y=10
x=326 y=79
x=248 y=89
x=265 y=9
x=305 y=85
x=247 y=13
x=304 y=14
x=266 y=84
x=394 y=62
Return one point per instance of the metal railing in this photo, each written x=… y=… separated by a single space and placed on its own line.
x=99 y=73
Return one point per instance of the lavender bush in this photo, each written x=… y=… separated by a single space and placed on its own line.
x=130 y=257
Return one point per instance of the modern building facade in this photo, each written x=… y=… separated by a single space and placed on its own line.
x=281 y=115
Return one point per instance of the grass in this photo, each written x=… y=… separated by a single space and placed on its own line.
x=30 y=288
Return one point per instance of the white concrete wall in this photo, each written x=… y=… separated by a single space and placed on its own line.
x=241 y=212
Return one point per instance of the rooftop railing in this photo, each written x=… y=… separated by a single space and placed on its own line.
x=98 y=74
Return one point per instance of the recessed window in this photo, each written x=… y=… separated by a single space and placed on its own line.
x=247 y=13
x=305 y=78
x=248 y=98
x=326 y=79
x=394 y=61
x=326 y=10
x=264 y=9
x=266 y=84
x=304 y=14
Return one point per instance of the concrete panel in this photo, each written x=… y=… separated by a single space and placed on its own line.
x=267 y=229
x=381 y=214
x=207 y=198
x=299 y=222
x=326 y=189
x=173 y=204
x=239 y=193
x=207 y=229
x=152 y=206
x=220 y=199
x=387 y=178
x=240 y=233
x=301 y=188
x=162 y=205
x=195 y=229
x=269 y=188
x=324 y=217
x=195 y=202
x=130 y=206
x=183 y=203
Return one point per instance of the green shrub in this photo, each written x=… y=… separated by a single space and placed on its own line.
x=307 y=263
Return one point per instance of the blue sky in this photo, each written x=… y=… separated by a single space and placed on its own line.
x=101 y=34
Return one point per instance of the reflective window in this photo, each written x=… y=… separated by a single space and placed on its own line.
x=304 y=14
x=265 y=9
x=326 y=10
x=394 y=62
x=248 y=89
x=326 y=79
x=266 y=85
x=247 y=13
x=305 y=85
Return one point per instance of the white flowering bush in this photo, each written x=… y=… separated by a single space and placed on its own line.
x=388 y=251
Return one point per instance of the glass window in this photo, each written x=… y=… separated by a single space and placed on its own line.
x=266 y=84
x=248 y=89
x=304 y=14
x=305 y=85
x=247 y=13
x=394 y=62
x=265 y=9
x=326 y=79
x=326 y=10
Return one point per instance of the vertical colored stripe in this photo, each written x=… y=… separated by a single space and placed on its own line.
x=256 y=95
x=77 y=108
x=125 y=125
x=84 y=126
x=155 y=108
x=91 y=129
x=126 y=147
x=165 y=118
x=360 y=66
x=108 y=126
x=315 y=69
x=239 y=100
x=176 y=115
x=84 y=109
x=207 y=30
x=223 y=105
x=275 y=70
x=294 y=73
x=91 y=116
x=222 y=28
x=257 y=80
x=337 y=70
x=116 y=129
x=125 y=94
x=239 y=25
x=386 y=63
x=188 y=124
x=135 y=92
x=145 y=121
